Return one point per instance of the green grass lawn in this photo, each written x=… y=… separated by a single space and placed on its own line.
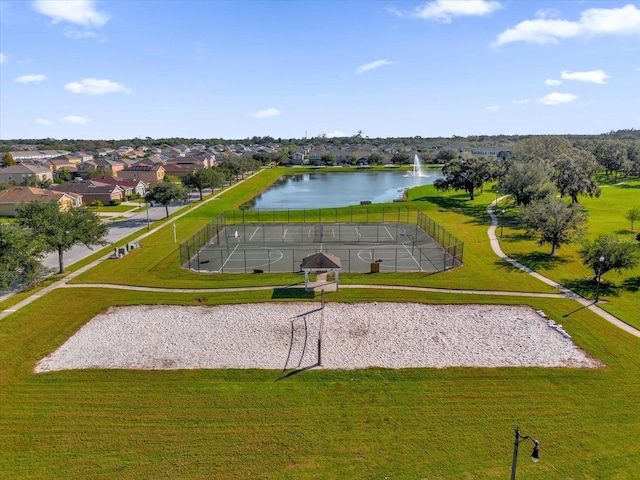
x=372 y=423
x=619 y=292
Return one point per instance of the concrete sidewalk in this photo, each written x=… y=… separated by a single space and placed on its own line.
x=591 y=305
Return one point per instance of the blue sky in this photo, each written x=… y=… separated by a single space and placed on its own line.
x=234 y=69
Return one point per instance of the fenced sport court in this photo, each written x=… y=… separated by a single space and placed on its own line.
x=258 y=247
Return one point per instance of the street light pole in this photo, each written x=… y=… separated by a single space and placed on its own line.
x=600 y=261
x=535 y=455
x=501 y=222
x=148 y=225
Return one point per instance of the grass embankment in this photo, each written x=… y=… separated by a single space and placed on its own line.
x=374 y=423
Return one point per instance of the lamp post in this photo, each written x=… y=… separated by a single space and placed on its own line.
x=535 y=455
x=501 y=222
x=600 y=261
x=148 y=225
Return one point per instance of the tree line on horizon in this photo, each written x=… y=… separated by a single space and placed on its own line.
x=74 y=145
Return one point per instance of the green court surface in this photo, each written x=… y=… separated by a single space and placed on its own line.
x=251 y=247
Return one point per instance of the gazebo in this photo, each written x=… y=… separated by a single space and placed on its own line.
x=320 y=262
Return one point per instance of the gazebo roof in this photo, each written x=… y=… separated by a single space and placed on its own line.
x=321 y=261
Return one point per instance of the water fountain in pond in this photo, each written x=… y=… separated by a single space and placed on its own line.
x=417 y=169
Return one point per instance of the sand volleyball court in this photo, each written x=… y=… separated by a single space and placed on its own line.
x=284 y=336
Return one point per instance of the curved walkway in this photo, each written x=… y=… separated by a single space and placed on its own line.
x=495 y=246
x=591 y=305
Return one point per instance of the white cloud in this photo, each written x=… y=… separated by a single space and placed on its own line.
x=74 y=34
x=372 y=65
x=94 y=86
x=80 y=12
x=336 y=134
x=74 y=119
x=594 y=21
x=557 y=98
x=43 y=121
x=445 y=10
x=493 y=108
x=3 y=58
x=547 y=13
x=267 y=113
x=594 y=76
x=30 y=78
x=551 y=81
x=521 y=102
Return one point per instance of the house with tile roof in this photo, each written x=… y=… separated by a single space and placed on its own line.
x=12 y=197
x=129 y=186
x=20 y=173
x=150 y=174
x=92 y=191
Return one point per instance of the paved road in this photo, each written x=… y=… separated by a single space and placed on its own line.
x=118 y=230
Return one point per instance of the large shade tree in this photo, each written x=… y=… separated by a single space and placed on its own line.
x=554 y=222
x=528 y=181
x=166 y=193
x=202 y=179
x=616 y=254
x=60 y=230
x=540 y=149
x=465 y=174
x=575 y=175
x=20 y=255
x=612 y=155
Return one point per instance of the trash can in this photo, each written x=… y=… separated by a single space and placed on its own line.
x=375 y=267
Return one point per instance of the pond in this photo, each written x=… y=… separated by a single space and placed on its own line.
x=338 y=189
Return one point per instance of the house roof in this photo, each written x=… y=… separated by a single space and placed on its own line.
x=180 y=168
x=23 y=168
x=29 y=194
x=142 y=168
x=89 y=187
x=321 y=261
x=123 y=182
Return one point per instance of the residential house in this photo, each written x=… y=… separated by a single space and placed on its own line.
x=316 y=153
x=60 y=163
x=12 y=197
x=501 y=153
x=35 y=156
x=20 y=173
x=81 y=157
x=114 y=165
x=297 y=158
x=196 y=161
x=150 y=174
x=104 y=164
x=130 y=186
x=92 y=191
x=101 y=152
x=85 y=167
x=179 y=170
